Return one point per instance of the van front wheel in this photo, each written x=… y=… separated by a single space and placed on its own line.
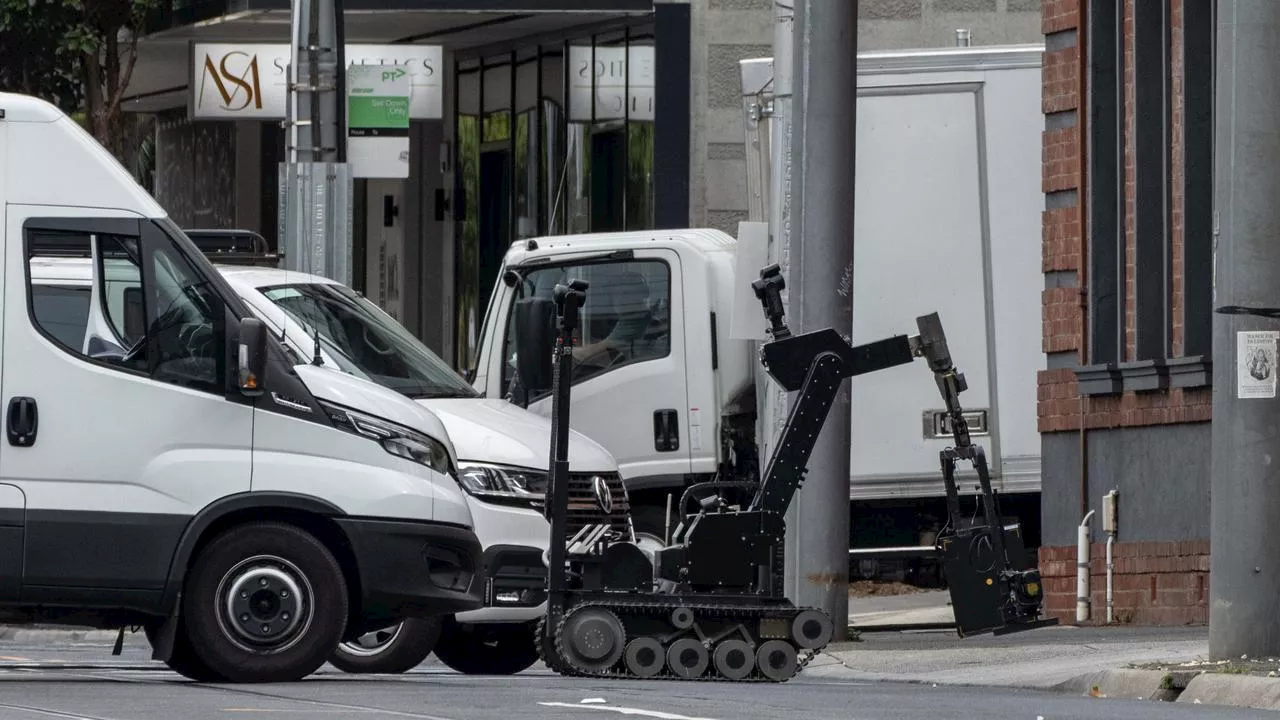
x=265 y=602
x=395 y=649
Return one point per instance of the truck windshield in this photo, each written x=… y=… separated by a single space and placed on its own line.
x=366 y=342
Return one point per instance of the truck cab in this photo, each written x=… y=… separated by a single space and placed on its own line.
x=651 y=379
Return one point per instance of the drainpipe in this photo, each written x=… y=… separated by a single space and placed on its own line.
x=1082 y=569
x=1109 y=524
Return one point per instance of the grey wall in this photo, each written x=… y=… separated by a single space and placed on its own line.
x=724 y=32
x=1162 y=473
x=896 y=24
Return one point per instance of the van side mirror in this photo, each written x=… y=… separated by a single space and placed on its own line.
x=135 y=319
x=251 y=357
x=535 y=342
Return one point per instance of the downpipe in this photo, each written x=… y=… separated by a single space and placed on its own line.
x=1111 y=537
x=1082 y=569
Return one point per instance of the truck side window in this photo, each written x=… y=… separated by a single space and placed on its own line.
x=161 y=312
x=626 y=320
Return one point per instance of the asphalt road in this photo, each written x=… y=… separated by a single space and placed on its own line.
x=85 y=682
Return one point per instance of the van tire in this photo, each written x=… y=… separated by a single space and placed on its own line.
x=182 y=659
x=413 y=641
x=277 y=579
x=487 y=649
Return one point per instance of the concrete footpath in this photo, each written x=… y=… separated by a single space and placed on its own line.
x=1118 y=661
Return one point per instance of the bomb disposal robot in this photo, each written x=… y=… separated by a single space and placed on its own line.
x=711 y=604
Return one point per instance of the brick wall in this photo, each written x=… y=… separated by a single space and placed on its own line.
x=1158 y=583
x=1060 y=407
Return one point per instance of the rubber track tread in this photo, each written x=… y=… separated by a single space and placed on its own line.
x=624 y=609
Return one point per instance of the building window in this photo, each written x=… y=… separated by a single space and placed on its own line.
x=551 y=139
x=1162 y=339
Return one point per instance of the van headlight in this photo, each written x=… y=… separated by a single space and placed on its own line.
x=504 y=485
x=395 y=439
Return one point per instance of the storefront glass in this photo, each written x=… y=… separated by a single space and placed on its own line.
x=546 y=146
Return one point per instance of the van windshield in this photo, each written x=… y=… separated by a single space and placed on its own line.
x=366 y=342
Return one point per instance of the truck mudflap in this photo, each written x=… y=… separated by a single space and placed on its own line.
x=711 y=605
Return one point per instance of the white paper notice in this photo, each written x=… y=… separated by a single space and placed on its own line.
x=1256 y=364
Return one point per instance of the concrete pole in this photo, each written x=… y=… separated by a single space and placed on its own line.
x=823 y=148
x=1244 y=582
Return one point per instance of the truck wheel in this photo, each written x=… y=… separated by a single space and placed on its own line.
x=491 y=649
x=265 y=602
x=395 y=649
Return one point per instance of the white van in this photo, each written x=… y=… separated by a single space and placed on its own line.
x=250 y=511
x=502 y=450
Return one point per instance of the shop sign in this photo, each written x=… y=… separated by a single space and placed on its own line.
x=623 y=83
x=235 y=81
x=378 y=121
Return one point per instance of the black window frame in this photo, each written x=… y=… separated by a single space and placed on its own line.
x=148 y=233
x=1154 y=365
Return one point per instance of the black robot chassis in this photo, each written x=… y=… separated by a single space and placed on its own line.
x=711 y=605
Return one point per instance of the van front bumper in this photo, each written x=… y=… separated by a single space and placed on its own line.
x=414 y=569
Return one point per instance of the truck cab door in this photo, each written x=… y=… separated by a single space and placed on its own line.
x=629 y=389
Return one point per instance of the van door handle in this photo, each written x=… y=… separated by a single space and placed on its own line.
x=22 y=422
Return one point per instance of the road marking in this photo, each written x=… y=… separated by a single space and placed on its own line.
x=51 y=713
x=297 y=711
x=625 y=711
x=10 y=658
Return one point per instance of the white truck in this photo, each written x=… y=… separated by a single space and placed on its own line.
x=949 y=166
x=249 y=511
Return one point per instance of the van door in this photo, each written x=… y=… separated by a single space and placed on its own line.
x=629 y=387
x=116 y=442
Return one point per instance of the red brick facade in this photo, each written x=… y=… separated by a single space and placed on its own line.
x=1063 y=85
x=1155 y=583
x=1152 y=583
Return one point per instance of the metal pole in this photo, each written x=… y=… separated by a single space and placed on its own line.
x=774 y=413
x=316 y=184
x=823 y=148
x=1244 y=585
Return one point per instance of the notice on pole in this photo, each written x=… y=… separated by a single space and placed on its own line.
x=1256 y=363
x=378 y=121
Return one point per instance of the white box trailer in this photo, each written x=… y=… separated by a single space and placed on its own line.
x=948 y=213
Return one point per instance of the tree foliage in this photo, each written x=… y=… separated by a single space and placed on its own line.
x=77 y=54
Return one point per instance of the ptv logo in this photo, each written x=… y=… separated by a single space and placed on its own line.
x=393 y=74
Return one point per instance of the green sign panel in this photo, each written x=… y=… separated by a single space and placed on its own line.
x=378 y=101
x=378 y=120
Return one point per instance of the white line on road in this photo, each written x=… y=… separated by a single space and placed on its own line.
x=625 y=710
x=50 y=713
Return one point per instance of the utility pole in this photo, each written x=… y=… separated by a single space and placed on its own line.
x=774 y=414
x=823 y=146
x=315 y=181
x=1244 y=582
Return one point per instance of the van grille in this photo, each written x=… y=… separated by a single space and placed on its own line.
x=585 y=510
